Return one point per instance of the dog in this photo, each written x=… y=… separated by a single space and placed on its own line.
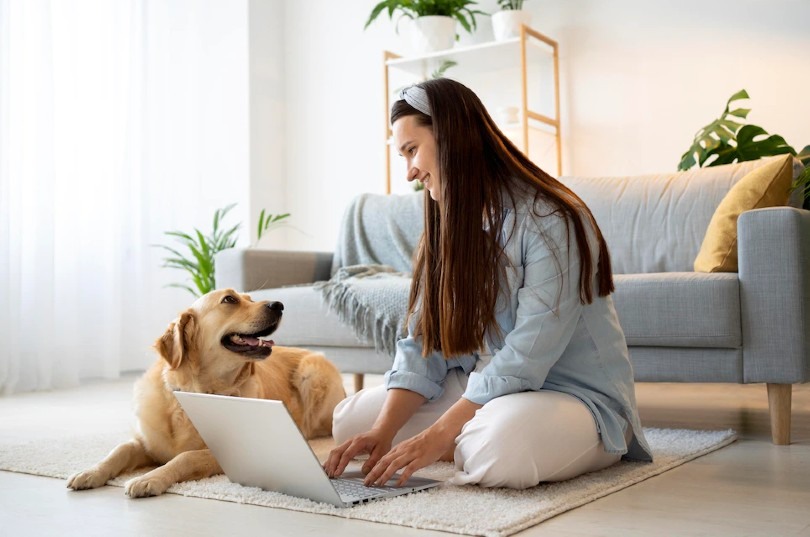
x=217 y=346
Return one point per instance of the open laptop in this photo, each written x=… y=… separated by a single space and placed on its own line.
x=257 y=444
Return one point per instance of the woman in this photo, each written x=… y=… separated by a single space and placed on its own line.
x=509 y=257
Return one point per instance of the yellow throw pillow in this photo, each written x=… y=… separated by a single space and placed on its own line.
x=766 y=186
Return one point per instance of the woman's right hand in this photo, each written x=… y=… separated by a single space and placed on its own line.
x=374 y=442
x=397 y=409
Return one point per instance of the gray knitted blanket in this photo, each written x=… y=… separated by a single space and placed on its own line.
x=370 y=280
x=373 y=300
x=379 y=229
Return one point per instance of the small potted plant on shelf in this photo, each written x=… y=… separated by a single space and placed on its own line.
x=506 y=22
x=434 y=20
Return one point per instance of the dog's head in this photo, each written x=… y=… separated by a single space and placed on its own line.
x=222 y=324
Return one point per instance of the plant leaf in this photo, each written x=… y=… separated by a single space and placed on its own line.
x=740 y=112
x=742 y=94
x=180 y=235
x=186 y=287
x=748 y=148
x=261 y=224
x=376 y=11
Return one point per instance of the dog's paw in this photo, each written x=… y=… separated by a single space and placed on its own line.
x=144 y=486
x=89 y=479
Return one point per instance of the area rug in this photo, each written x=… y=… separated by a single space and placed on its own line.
x=466 y=510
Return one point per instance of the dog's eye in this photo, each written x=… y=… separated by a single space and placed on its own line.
x=229 y=299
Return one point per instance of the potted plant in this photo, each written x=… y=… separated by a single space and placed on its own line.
x=506 y=22
x=199 y=262
x=728 y=139
x=434 y=20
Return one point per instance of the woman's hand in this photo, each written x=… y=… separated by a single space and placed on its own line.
x=411 y=455
x=398 y=408
x=375 y=442
x=436 y=442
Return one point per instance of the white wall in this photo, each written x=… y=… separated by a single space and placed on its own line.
x=335 y=116
x=194 y=153
x=268 y=181
x=638 y=80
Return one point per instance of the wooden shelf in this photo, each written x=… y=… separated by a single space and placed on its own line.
x=489 y=56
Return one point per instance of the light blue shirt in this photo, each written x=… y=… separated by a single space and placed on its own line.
x=549 y=340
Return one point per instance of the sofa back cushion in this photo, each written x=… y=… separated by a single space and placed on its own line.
x=656 y=223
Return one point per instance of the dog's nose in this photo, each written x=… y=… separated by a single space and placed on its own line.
x=276 y=306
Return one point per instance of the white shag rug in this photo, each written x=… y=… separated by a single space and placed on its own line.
x=466 y=510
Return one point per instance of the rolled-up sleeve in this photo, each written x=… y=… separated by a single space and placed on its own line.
x=423 y=375
x=547 y=311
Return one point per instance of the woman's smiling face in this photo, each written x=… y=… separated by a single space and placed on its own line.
x=416 y=143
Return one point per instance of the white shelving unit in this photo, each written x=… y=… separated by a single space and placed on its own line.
x=521 y=54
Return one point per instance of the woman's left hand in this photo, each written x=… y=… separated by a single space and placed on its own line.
x=411 y=455
x=434 y=443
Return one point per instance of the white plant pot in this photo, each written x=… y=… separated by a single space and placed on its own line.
x=432 y=33
x=506 y=23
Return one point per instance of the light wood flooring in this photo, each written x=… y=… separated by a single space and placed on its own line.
x=749 y=488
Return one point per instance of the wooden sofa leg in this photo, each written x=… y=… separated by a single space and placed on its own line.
x=358 y=383
x=779 y=396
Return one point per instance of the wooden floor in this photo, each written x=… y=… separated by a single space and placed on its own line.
x=748 y=488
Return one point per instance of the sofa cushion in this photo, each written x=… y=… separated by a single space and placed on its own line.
x=656 y=223
x=307 y=321
x=767 y=186
x=679 y=309
x=684 y=309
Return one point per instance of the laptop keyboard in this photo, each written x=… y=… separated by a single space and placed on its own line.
x=349 y=488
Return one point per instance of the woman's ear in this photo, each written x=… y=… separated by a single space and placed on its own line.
x=178 y=340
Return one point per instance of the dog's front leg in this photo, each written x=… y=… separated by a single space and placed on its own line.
x=127 y=456
x=187 y=466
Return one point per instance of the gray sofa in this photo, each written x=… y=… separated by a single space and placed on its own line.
x=750 y=326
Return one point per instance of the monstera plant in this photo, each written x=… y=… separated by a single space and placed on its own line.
x=730 y=139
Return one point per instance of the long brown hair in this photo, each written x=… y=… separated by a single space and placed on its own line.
x=454 y=292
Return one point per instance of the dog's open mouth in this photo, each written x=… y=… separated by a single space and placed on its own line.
x=251 y=345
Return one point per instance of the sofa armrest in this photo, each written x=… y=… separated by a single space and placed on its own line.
x=773 y=251
x=248 y=269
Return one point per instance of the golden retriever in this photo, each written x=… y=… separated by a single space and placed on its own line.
x=216 y=346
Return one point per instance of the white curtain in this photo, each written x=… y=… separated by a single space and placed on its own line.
x=100 y=153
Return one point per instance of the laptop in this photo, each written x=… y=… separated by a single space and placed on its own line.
x=257 y=444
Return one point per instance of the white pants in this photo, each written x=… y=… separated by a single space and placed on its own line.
x=515 y=441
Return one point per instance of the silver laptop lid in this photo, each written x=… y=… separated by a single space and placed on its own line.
x=258 y=444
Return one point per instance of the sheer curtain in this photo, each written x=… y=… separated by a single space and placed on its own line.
x=89 y=180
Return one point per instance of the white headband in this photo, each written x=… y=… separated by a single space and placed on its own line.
x=417 y=98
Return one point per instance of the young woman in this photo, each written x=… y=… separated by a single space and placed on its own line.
x=512 y=258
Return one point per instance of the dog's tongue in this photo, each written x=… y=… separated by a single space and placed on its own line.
x=252 y=341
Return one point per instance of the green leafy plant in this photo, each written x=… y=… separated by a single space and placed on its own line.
x=268 y=221
x=729 y=139
x=458 y=9
x=201 y=249
x=442 y=68
x=510 y=4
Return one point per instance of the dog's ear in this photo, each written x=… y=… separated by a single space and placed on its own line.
x=177 y=342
